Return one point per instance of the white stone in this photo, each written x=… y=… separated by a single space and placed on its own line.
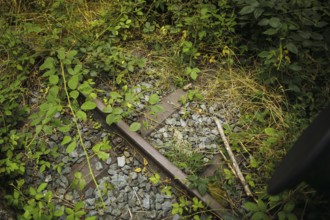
x=121 y=161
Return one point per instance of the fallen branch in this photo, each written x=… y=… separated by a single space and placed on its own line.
x=232 y=158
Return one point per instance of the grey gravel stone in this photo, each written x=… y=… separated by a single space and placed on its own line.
x=65 y=159
x=69 y=196
x=167 y=206
x=87 y=144
x=64 y=181
x=60 y=191
x=48 y=178
x=133 y=175
x=98 y=166
x=146 y=202
x=89 y=192
x=115 y=212
x=108 y=161
x=54 y=137
x=112 y=172
x=66 y=170
x=121 y=161
x=90 y=201
x=92 y=213
x=74 y=153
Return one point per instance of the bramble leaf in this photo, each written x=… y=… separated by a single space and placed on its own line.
x=135 y=126
x=153 y=99
x=71 y=147
x=53 y=79
x=73 y=82
x=88 y=105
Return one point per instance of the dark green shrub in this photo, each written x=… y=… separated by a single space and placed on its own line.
x=291 y=39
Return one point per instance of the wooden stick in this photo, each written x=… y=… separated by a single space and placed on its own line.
x=232 y=157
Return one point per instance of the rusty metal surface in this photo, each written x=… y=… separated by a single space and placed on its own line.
x=170 y=104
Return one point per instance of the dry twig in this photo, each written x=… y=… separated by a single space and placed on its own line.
x=232 y=158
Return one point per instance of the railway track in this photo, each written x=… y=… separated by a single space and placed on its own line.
x=143 y=151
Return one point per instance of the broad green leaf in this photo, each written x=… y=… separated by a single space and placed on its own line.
x=115 y=95
x=270 y=31
x=275 y=22
x=79 y=213
x=48 y=64
x=77 y=68
x=202 y=189
x=66 y=61
x=49 y=72
x=316 y=36
x=193 y=75
x=292 y=48
x=32 y=191
x=247 y=10
x=110 y=119
x=32 y=27
x=71 y=53
x=294 y=87
x=61 y=54
x=263 y=22
x=260 y=216
x=85 y=89
x=74 y=94
x=257 y=12
x=295 y=67
x=288 y=207
x=90 y=218
x=41 y=187
x=71 y=147
x=19 y=67
x=78 y=175
x=153 y=99
x=81 y=115
x=107 y=109
x=53 y=91
x=251 y=206
x=65 y=128
x=156 y=109
x=73 y=82
x=88 y=105
x=39 y=196
x=53 y=79
x=261 y=205
x=270 y=131
x=305 y=34
x=38 y=129
x=69 y=211
x=59 y=212
x=103 y=155
x=292 y=216
x=79 y=205
x=130 y=67
x=47 y=129
x=263 y=54
x=66 y=140
x=135 y=126
x=117 y=111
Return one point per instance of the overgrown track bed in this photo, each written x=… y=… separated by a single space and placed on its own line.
x=139 y=148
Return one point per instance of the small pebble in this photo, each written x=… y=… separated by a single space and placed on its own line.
x=98 y=166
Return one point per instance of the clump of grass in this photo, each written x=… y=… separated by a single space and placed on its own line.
x=258 y=125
